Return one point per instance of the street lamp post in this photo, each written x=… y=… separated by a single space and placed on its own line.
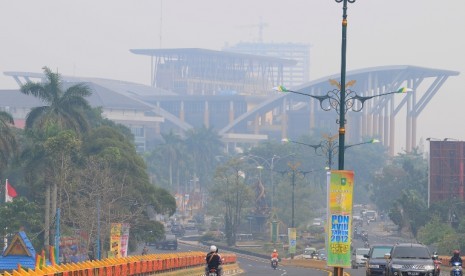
x=293 y=170
x=342 y=99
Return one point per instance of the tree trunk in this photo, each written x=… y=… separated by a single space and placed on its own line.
x=47 y=217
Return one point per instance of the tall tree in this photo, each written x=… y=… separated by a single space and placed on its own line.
x=63 y=108
x=233 y=195
x=204 y=145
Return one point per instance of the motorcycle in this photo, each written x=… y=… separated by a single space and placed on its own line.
x=437 y=265
x=274 y=263
x=212 y=272
x=456 y=269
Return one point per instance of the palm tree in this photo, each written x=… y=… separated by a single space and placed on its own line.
x=172 y=149
x=63 y=109
x=204 y=144
x=8 y=144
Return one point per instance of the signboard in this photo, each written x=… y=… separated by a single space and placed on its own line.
x=340 y=191
x=119 y=237
x=292 y=234
x=274 y=231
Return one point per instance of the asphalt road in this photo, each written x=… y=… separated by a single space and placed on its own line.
x=259 y=267
x=250 y=265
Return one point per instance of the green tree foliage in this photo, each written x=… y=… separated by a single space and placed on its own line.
x=412 y=209
x=21 y=214
x=434 y=231
x=8 y=143
x=404 y=172
x=128 y=169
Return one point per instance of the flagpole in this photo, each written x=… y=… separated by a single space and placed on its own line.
x=6 y=189
x=5 y=239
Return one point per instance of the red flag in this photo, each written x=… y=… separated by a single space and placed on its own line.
x=10 y=192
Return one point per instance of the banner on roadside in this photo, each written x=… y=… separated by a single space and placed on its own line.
x=292 y=234
x=119 y=238
x=340 y=194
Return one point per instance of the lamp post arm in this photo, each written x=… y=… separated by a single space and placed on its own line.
x=315 y=147
x=372 y=141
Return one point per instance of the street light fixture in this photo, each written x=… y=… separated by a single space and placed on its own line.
x=341 y=102
x=328 y=147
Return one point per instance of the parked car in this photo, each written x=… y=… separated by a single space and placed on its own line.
x=321 y=254
x=168 y=242
x=359 y=258
x=376 y=263
x=409 y=259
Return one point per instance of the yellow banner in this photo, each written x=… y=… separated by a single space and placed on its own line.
x=340 y=193
x=115 y=239
x=292 y=234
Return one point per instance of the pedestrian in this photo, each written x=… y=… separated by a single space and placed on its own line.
x=145 y=251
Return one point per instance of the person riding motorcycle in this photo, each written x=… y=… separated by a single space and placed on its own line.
x=437 y=264
x=213 y=260
x=456 y=258
x=274 y=256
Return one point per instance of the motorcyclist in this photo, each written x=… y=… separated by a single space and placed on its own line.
x=213 y=260
x=456 y=258
x=437 y=264
x=274 y=256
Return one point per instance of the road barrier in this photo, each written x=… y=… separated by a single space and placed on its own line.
x=142 y=265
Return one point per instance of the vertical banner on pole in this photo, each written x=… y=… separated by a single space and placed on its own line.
x=115 y=240
x=340 y=191
x=124 y=239
x=292 y=234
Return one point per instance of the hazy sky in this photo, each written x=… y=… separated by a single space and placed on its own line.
x=92 y=38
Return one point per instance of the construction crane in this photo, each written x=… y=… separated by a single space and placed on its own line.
x=261 y=25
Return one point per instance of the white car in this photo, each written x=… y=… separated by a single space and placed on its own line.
x=359 y=259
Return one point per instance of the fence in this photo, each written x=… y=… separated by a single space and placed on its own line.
x=142 y=265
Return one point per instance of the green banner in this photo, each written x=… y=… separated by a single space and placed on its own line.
x=274 y=231
x=292 y=234
x=340 y=192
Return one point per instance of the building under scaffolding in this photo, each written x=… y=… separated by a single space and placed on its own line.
x=207 y=72
x=293 y=75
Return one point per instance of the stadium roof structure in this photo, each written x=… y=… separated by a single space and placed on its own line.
x=184 y=53
x=376 y=119
x=378 y=115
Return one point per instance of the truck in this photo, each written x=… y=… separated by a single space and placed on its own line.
x=169 y=241
x=371 y=215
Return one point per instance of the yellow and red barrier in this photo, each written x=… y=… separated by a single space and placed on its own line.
x=142 y=265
